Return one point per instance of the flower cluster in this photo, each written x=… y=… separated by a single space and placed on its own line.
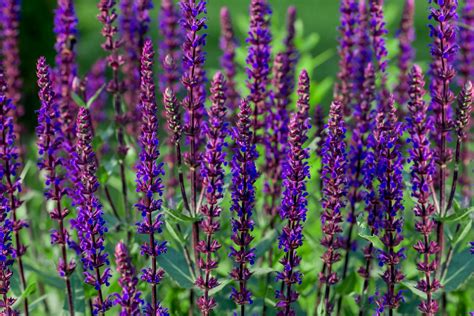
x=258 y=61
x=406 y=36
x=212 y=173
x=9 y=30
x=9 y=187
x=228 y=44
x=130 y=298
x=294 y=202
x=89 y=223
x=170 y=45
x=49 y=141
x=244 y=175
x=149 y=172
x=422 y=178
x=344 y=87
x=334 y=196
x=388 y=171
x=363 y=52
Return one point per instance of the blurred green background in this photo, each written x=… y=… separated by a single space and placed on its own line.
x=319 y=21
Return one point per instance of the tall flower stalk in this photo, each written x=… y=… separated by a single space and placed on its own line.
x=169 y=51
x=170 y=55
x=388 y=171
x=130 y=298
x=149 y=183
x=212 y=172
x=334 y=198
x=244 y=175
x=294 y=202
x=357 y=154
x=107 y=16
x=422 y=172
x=89 y=223
x=50 y=139
x=193 y=80
x=228 y=44
x=258 y=62
x=363 y=51
x=10 y=53
x=10 y=186
x=443 y=50
x=276 y=133
x=291 y=52
x=406 y=55
x=345 y=86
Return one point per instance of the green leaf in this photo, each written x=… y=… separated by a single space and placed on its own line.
x=102 y=175
x=265 y=243
x=30 y=289
x=79 y=100
x=174 y=264
x=179 y=216
x=262 y=271
x=460 y=271
x=411 y=285
x=349 y=284
x=174 y=233
x=51 y=280
x=220 y=287
x=462 y=234
x=78 y=296
x=378 y=244
x=95 y=96
x=459 y=214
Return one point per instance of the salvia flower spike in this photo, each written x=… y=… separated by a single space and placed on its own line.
x=294 y=203
x=228 y=44
x=9 y=188
x=388 y=170
x=10 y=52
x=344 y=87
x=258 y=61
x=49 y=141
x=130 y=297
x=334 y=197
x=170 y=46
x=422 y=172
x=291 y=51
x=443 y=50
x=149 y=183
x=406 y=54
x=244 y=175
x=89 y=223
x=212 y=172
x=363 y=51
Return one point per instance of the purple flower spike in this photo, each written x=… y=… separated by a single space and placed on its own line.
x=149 y=172
x=378 y=32
x=443 y=50
x=50 y=138
x=212 y=172
x=130 y=298
x=344 y=87
x=406 y=36
x=228 y=44
x=363 y=52
x=258 y=61
x=463 y=111
x=388 y=171
x=422 y=172
x=143 y=8
x=244 y=175
x=128 y=26
x=276 y=133
x=10 y=53
x=170 y=46
x=89 y=223
x=9 y=188
x=65 y=27
x=290 y=49
x=334 y=197
x=294 y=203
